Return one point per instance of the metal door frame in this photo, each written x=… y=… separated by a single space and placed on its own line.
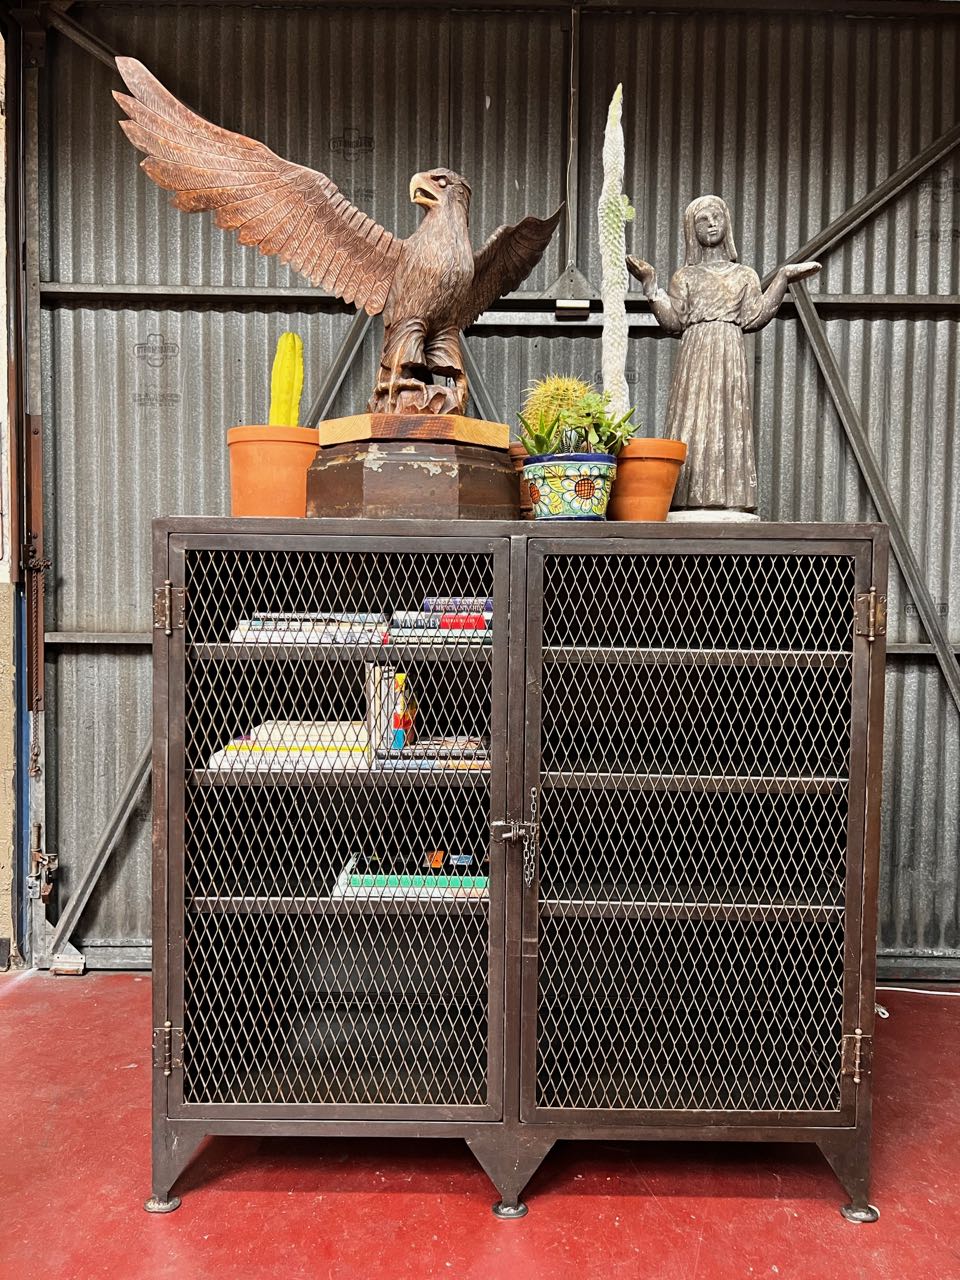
x=170 y=546
x=862 y=818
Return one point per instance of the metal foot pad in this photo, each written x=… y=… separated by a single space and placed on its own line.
x=156 y=1205
x=870 y=1214
x=510 y=1211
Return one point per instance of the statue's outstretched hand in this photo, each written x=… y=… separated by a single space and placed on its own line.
x=645 y=273
x=800 y=270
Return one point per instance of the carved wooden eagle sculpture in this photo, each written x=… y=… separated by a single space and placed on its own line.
x=429 y=287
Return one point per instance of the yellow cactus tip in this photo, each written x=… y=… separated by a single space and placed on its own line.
x=286 y=382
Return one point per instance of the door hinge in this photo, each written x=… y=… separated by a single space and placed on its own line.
x=856 y=1055
x=169 y=608
x=167 y=1048
x=871 y=615
x=43 y=867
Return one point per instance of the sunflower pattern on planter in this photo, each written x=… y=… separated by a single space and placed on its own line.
x=571 y=489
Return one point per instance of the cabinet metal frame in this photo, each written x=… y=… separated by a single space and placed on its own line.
x=511 y=1137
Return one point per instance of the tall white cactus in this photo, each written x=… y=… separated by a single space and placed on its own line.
x=614 y=211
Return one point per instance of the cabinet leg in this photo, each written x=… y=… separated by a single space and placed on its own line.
x=173 y=1148
x=510 y=1158
x=848 y=1155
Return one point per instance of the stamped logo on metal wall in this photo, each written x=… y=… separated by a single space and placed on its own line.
x=156 y=350
x=351 y=144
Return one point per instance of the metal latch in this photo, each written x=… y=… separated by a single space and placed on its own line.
x=169 y=608
x=167 y=1048
x=527 y=833
x=855 y=1057
x=871 y=615
x=43 y=867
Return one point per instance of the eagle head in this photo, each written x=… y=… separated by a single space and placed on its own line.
x=434 y=187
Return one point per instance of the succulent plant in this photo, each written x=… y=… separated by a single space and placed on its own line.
x=567 y=415
x=286 y=382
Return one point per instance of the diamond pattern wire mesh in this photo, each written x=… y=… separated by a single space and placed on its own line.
x=337 y=822
x=696 y=720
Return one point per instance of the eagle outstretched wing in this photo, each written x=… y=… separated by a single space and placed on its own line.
x=505 y=261
x=285 y=209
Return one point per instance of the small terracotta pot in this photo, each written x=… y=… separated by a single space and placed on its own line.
x=268 y=469
x=647 y=472
x=518 y=456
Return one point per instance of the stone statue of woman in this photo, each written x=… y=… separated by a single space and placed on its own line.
x=713 y=300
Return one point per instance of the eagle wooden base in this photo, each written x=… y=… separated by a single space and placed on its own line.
x=427 y=466
x=440 y=427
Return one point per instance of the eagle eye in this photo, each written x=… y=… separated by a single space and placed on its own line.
x=441 y=182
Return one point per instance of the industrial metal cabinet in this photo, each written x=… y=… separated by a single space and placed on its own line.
x=677 y=823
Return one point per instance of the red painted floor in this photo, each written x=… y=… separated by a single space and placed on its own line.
x=74 y=1171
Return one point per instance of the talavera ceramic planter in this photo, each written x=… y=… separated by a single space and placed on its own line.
x=570 y=486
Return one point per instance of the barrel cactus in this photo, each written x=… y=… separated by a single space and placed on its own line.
x=615 y=211
x=555 y=397
x=286 y=382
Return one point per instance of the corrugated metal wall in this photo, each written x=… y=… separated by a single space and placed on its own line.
x=792 y=118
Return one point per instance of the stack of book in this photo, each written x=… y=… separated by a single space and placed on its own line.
x=458 y=752
x=444 y=620
x=353 y=883
x=311 y=628
x=297 y=744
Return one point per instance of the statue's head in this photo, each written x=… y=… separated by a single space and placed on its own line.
x=435 y=187
x=707 y=223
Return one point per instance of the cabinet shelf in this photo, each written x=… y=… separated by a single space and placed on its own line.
x=690 y=782
x=652 y=657
x=659 y=909
x=341 y=778
x=383 y=653
x=328 y=906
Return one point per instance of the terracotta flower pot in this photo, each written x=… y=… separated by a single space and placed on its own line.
x=570 y=486
x=268 y=469
x=518 y=456
x=647 y=472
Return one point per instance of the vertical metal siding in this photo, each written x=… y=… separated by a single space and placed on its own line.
x=792 y=117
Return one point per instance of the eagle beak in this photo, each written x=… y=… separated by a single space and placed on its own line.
x=422 y=190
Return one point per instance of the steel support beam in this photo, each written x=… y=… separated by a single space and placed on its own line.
x=877 y=485
x=572 y=283
x=58 y=19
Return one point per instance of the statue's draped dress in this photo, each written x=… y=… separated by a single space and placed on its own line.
x=709 y=407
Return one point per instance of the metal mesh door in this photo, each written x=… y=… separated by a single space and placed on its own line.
x=693 y=792
x=342 y=751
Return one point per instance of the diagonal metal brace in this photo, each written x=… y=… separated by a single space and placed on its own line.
x=341 y=365
x=877 y=485
x=70 y=916
x=871 y=204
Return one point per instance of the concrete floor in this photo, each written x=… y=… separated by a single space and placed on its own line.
x=74 y=1171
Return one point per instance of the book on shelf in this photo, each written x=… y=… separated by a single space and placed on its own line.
x=402 y=763
x=458 y=604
